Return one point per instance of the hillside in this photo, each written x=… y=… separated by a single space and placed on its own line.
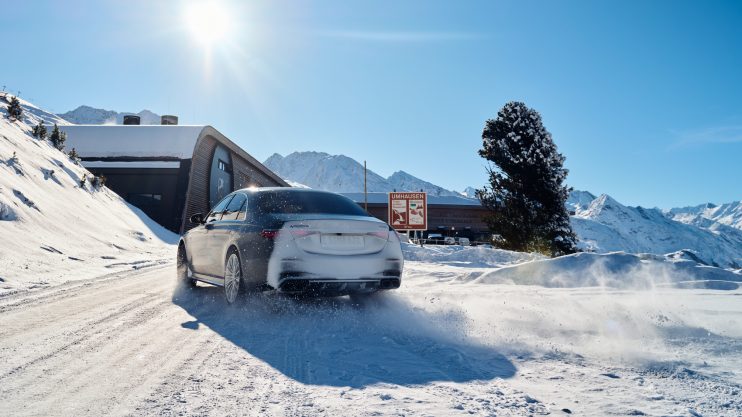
x=86 y=115
x=52 y=229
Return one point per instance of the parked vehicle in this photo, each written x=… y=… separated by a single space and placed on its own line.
x=449 y=240
x=463 y=241
x=434 y=239
x=292 y=241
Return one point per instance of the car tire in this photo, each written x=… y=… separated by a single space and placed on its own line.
x=233 y=283
x=182 y=268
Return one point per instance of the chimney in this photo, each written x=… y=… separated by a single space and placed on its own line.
x=168 y=119
x=131 y=119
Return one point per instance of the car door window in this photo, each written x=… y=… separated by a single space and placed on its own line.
x=216 y=212
x=242 y=215
x=235 y=207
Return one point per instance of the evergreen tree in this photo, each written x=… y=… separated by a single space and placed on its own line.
x=15 y=111
x=39 y=131
x=74 y=156
x=526 y=194
x=58 y=137
x=98 y=181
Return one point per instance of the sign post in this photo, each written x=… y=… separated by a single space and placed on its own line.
x=408 y=211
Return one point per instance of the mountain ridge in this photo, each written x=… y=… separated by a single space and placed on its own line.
x=87 y=115
x=340 y=173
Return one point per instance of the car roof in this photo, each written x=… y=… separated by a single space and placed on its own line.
x=261 y=190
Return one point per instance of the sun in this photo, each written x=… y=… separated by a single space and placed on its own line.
x=208 y=21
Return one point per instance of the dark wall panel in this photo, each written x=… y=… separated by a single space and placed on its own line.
x=142 y=186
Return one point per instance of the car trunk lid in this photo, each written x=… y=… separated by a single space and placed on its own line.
x=338 y=236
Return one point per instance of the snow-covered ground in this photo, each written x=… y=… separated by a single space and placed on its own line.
x=52 y=229
x=472 y=331
x=455 y=339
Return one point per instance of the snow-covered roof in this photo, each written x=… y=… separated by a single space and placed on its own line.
x=134 y=141
x=148 y=141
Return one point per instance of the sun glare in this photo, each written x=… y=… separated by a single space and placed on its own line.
x=208 y=21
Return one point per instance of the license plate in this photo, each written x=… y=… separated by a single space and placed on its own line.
x=341 y=242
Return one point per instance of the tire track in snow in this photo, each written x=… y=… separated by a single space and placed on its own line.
x=26 y=298
x=130 y=347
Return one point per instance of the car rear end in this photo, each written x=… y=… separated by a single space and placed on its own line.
x=332 y=251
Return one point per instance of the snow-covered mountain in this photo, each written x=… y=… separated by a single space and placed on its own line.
x=579 y=201
x=86 y=115
x=606 y=225
x=342 y=174
x=729 y=214
x=469 y=192
x=54 y=226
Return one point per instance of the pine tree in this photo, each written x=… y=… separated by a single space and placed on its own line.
x=98 y=181
x=74 y=156
x=39 y=131
x=15 y=111
x=526 y=195
x=58 y=137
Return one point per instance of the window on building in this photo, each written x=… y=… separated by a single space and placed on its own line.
x=223 y=166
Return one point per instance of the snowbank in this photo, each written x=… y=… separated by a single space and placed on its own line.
x=52 y=229
x=617 y=270
x=465 y=256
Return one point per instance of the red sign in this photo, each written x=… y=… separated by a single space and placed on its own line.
x=408 y=211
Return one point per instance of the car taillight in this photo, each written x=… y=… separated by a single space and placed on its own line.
x=269 y=233
x=381 y=234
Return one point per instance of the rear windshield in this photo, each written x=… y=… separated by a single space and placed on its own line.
x=292 y=202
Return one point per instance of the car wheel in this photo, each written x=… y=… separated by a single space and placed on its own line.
x=232 y=277
x=183 y=268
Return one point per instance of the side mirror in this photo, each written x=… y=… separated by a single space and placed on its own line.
x=197 y=218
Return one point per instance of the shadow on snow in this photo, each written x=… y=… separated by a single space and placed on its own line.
x=336 y=343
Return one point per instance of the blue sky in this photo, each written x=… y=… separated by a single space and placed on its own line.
x=644 y=98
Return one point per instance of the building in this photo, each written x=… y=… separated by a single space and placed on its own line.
x=169 y=171
x=449 y=216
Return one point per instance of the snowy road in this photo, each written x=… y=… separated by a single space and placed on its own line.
x=131 y=344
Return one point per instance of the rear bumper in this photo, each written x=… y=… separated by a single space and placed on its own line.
x=337 y=287
x=327 y=273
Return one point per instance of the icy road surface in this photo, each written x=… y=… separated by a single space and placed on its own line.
x=131 y=344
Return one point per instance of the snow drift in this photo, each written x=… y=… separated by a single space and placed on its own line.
x=615 y=270
x=52 y=227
